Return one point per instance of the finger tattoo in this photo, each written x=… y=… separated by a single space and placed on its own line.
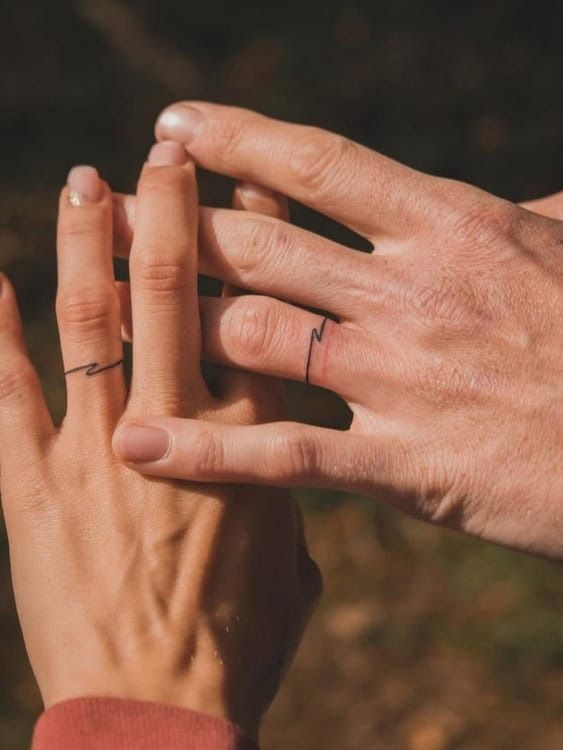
x=93 y=368
x=316 y=338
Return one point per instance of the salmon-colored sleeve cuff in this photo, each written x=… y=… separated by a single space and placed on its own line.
x=120 y=724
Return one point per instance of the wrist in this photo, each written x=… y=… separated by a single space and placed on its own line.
x=201 y=691
x=93 y=722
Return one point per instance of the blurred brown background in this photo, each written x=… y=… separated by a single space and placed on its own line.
x=424 y=640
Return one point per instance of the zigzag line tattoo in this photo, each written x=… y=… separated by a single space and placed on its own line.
x=93 y=368
x=316 y=335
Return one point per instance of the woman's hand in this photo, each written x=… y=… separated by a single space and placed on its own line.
x=446 y=341
x=128 y=586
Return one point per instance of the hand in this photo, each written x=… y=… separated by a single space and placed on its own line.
x=126 y=586
x=446 y=341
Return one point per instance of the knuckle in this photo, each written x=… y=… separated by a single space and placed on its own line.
x=226 y=137
x=87 y=311
x=450 y=384
x=262 y=241
x=16 y=379
x=39 y=503
x=446 y=305
x=485 y=221
x=295 y=453
x=439 y=386
x=157 y=273
x=208 y=455
x=317 y=161
x=88 y=224
x=444 y=487
x=251 y=328
x=35 y=501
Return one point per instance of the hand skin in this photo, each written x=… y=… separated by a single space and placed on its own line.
x=446 y=341
x=127 y=586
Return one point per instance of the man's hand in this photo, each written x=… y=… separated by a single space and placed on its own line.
x=446 y=341
x=129 y=587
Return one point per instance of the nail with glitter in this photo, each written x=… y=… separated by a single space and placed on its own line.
x=84 y=185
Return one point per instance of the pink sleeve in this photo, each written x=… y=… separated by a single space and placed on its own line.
x=119 y=724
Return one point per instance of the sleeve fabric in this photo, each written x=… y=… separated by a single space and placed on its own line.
x=123 y=724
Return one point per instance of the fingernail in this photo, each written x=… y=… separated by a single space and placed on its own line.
x=167 y=153
x=84 y=185
x=179 y=122
x=142 y=444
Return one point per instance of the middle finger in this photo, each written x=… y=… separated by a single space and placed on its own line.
x=163 y=268
x=269 y=256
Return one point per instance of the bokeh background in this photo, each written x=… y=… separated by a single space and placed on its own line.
x=424 y=640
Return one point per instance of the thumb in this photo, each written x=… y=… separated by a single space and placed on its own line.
x=551 y=206
x=279 y=454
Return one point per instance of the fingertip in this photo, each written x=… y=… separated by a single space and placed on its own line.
x=141 y=444
x=167 y=153
x=184 y=172
x=78 y=195
x=251 y=190
x=179 y=122
x=84 y=185
x=251 y=197
x=167 y=121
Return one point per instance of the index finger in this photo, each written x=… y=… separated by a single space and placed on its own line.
x=368 y=192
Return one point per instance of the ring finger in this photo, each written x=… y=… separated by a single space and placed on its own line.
x=87 y=303
x=266 y=336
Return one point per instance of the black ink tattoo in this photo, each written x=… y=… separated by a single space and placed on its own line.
x=93 y=368
x=316 y=335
